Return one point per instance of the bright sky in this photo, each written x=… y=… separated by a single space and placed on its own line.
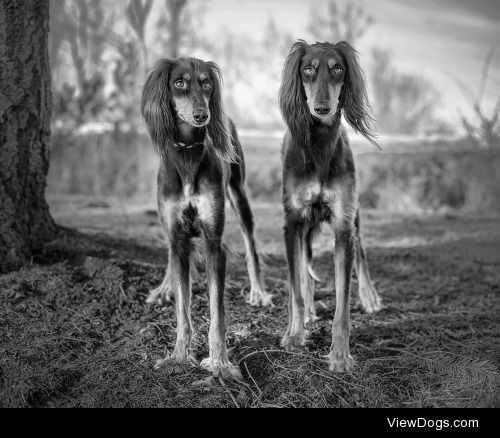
x=439 y=39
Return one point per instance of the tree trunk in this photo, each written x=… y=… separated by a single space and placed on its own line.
x=175 y=8
x=25 y=112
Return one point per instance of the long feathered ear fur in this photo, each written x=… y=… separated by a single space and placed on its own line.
x=156 y=108
x=357 y=110
x=219 y=128
x=292 y=97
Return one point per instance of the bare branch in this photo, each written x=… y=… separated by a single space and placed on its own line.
x=484 y=77
x=486 y=132
x=341 y=21
x=137 y=14
x=466 y=91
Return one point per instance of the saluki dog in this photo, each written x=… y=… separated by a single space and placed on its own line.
x=200 y=159
x=321 y=81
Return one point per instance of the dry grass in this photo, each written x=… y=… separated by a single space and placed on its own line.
x=76 y=331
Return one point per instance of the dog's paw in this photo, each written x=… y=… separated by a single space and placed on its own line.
x=222 y=368
x=176 y=365
x=296 y=341
x=160 y=296
x=340 y=362
x=370 y=299
x=259 y=298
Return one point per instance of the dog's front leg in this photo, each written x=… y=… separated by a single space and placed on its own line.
x=218 y=361
x=181 y=284
x=339 y=357
x=307 y=279
x=296 y=334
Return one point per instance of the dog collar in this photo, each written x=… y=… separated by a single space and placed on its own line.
x=181 y=145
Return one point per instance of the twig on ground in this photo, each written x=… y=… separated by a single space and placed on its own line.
x=254 y=382
x=229 y=392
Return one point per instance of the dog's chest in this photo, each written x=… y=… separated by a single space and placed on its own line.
x=320 y=202
x=190 y=206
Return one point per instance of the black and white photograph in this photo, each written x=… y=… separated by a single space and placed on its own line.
x=251 y=204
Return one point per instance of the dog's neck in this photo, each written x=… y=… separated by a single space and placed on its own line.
x=320 y=150
x=188 y=136
x=185 y=154
x=323 y=136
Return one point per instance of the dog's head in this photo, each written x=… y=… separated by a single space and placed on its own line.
x=318 y=81
x=186 y=91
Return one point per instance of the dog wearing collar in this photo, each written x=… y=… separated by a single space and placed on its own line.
x=201 y=161
x=320 y=82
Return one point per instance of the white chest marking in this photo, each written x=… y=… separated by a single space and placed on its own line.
x=340 y=197
x=203 y=203
x=305 y=193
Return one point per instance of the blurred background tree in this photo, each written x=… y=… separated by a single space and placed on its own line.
x=484 y=129
x=83 y=35
x=273 y=51
x=179 y=31
x=101 y=51
x=86 y=33
x=404 y=103
x=342 y=21
x=137 y=16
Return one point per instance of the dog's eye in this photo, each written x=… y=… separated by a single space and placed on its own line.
x=309 y=71
x=337 y=70
x=180 y=84
x=207 y=85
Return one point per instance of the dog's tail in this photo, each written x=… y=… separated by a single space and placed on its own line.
x=198 y=259
x=312 y=235
x=313 y=274
x=231 y=251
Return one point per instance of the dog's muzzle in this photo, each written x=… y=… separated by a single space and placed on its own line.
x=201 y=117
x=322 y=109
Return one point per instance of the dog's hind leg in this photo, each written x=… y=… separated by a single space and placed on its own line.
x=239 y=201
x=163 y=294
x=368 y=295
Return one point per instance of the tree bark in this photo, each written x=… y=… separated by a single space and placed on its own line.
x=25 y=112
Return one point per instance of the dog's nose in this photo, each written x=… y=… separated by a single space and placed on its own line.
x=200 y=116
x=322 y=110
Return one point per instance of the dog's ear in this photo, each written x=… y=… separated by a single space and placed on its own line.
x=156 y=107
x=219 y=128
x=292 y=97
x=354 y=99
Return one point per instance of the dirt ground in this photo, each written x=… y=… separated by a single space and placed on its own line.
x=76 y=331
